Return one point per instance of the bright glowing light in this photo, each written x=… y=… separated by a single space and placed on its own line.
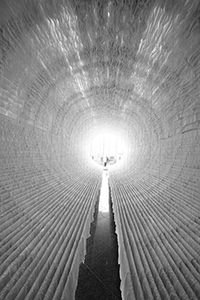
x=107 y=145
x=97 y=143
x=104 y=193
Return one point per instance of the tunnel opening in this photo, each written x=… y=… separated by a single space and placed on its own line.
x=107 y=148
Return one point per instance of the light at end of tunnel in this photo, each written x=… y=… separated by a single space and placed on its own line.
x=107 y=148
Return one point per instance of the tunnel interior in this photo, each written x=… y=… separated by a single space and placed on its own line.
x=74 y=70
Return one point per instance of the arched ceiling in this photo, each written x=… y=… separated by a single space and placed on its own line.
x=95 y=64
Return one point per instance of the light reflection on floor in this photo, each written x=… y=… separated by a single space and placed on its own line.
x=99 y=273
x=104 y=193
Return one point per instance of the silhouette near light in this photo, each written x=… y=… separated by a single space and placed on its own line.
x=109 y=146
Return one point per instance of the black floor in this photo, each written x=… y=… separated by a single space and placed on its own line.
x=99 y=274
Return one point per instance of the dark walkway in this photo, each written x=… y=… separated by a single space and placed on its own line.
x=99 y=274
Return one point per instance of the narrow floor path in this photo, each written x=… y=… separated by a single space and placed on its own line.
x=99 y=274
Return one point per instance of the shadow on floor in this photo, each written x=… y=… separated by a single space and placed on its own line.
x=99 y=274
